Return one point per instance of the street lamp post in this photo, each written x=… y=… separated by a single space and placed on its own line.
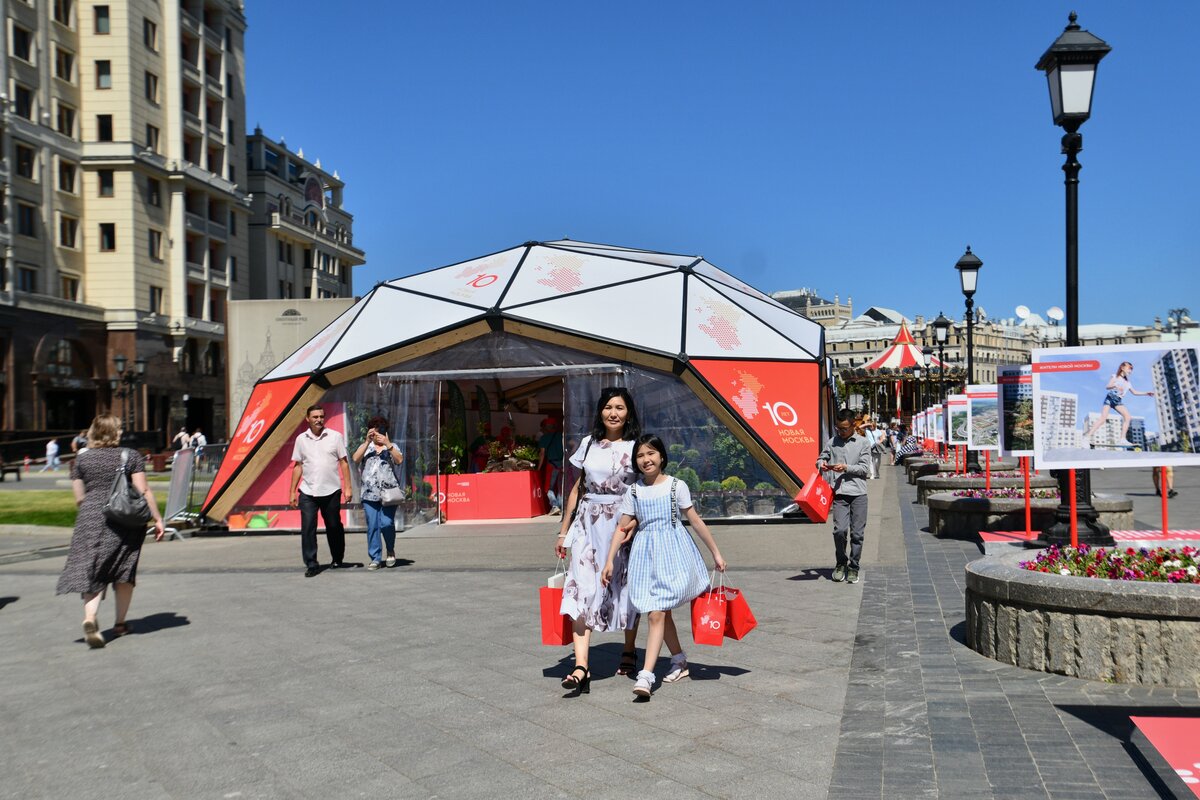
x=124 y=385
x=941 y=330
x=920 y=394
x=968 y=276
x=1070 y=66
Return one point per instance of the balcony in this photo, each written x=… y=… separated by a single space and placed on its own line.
x=188 y=22
x=192 y=122
x=191 y=72
x=217 y=230
x=349 y=255
x=195 y=223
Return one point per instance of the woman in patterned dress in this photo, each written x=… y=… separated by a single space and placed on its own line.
x=665 y=568
x=606 y=460
x=100 y=552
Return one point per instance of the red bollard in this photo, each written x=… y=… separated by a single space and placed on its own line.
x=987 y=470
x=28 y=463
x=1162 y=489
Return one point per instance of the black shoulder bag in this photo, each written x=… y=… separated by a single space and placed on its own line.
x=126 y=506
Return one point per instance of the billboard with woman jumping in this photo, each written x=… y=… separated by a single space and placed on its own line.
x=1116 y=406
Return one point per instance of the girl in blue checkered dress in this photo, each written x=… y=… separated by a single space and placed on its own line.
x=665 y=566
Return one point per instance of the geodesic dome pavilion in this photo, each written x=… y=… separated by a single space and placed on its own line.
x=697 y=340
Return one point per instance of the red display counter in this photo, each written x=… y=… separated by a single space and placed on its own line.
x=490 y=495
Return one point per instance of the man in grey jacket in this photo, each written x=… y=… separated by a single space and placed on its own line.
x=846 y=461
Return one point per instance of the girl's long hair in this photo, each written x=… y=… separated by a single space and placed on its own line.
x=1121 y=369
x=633 y=426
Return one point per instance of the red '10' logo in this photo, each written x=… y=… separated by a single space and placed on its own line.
x=483 y=280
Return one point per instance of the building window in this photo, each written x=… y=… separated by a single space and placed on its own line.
x=26 y=279
x=155 y=242
x=22 y=43
x=152 y=87
x=232 y=223
x=102 y=21
x=232 y=174
x=232 y=269
x=154 y=192
x=108 y=237
x=23 y=101
x=68 y=231
x=62 y=12
x=150 y=34
x=152 y=138
x=68 y=287
x=289 y=254
x=104 y=128
x=66 y=176
x=105 y=177
x=229 y=86
x=104 y=74
x=156 y=299
x=27 y=220
x=64 y=64
x=66 y=119
x=25 y=160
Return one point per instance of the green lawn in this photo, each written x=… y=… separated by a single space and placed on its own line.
x=54 y=508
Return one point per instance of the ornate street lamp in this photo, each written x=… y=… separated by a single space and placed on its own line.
x=1070 y=66
x=941 y=330
x=920 y=394
x=968 y=276
x=124 y=386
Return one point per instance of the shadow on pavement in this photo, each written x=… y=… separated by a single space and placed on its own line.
x=705 y=672
x=157 y=622
x=959 y=633
x=813 y=574
x=4 y=601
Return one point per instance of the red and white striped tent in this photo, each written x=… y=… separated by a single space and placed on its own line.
x=903 y=353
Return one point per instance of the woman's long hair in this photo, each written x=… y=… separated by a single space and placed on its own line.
x=633 y=426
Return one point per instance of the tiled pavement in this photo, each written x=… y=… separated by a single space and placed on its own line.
x=927 y=717
x=245 y=680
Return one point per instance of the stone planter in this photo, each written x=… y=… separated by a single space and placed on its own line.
x=710 y=504
x=762 y=501
x=1122 y=631
x=958 y=516
x=735 y=505
x=920 y=467
x=932 y=484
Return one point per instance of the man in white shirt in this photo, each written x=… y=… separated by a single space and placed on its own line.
x=321 y=473
x=51 y=455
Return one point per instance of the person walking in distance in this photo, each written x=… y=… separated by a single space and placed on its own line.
x=320 y=482
x=845 y=461
x=51 y=456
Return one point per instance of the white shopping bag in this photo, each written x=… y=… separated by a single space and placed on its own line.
x=559 y=577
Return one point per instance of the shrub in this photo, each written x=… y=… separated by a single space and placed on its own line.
x=764 y=486
x=710 y=486
x=733 y=484
x=689 y=476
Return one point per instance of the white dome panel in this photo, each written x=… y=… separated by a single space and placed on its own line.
x=718 y=327
x=800 y=330
x=310 y=356
x=478 y=282
x=549 y=273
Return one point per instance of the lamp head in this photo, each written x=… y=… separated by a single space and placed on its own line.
x=968 y=271
x=119 y=360
x=1070 y=67
x=941 y=328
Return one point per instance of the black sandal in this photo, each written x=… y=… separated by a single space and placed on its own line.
x=581 y=684
x=628 y=664
x=120 y=629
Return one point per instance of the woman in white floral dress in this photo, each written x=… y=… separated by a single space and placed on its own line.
x=606 y=459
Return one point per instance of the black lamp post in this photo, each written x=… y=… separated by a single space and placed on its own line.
x=920 y=393
x=968 y=275
x=124 y=385
x=941 y=330
x=1070 y=66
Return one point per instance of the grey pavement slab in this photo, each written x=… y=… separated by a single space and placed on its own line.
x=244 y=679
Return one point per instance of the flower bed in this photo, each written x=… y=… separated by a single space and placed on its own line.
x=1008 y=492
x=951 y=515
x=1160 y=564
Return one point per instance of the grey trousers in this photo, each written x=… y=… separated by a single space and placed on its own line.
x=849 y=513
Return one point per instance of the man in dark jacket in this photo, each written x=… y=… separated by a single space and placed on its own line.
x=846 y=461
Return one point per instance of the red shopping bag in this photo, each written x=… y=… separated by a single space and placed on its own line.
x=556 y=626
x=739 y=618
x=815 y=498
x=709 y=613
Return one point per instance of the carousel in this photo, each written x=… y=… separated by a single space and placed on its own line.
x=901 y=380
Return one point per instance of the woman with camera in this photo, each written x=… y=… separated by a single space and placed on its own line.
x=380 y=457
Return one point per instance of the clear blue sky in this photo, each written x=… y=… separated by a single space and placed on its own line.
x=852 y=148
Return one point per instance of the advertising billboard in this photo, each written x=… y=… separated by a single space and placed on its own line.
x=1015 y=395
x=983 y=417
x=956 y=407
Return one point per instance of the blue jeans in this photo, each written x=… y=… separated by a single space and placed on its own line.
x=380 y=519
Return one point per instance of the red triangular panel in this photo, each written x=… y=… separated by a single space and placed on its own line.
x=266 y=405
x=778 y=400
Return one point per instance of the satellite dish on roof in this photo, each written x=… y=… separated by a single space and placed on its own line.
x=1022 y=312
x=1055 y=313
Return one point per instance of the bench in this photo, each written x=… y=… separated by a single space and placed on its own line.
x=15 y=469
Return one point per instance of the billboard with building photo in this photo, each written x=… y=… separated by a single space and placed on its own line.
x=1116 y=406
x=983 y=417
x=1015 y=395
x=938 y=423
x=956 y=407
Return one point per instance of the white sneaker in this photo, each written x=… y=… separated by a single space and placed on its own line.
x=645 y=681
x=679 y=668
x=1125 y=443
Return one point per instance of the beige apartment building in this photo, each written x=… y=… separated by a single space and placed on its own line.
x=301 y=236
x=125 y=229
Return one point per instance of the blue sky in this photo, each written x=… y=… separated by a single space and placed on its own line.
x=853 y=148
